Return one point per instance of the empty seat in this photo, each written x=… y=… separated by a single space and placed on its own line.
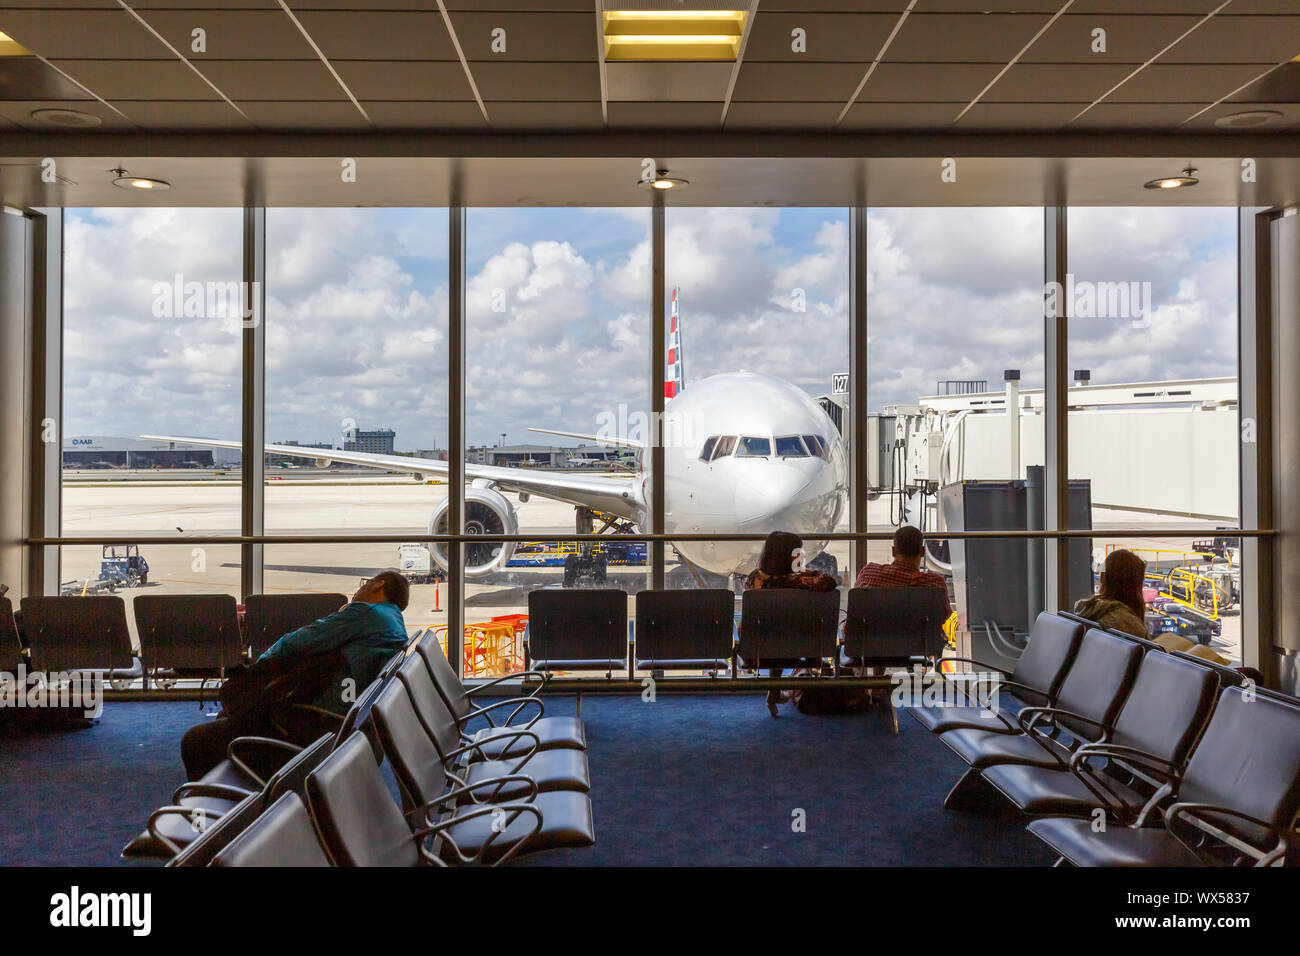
x=282 y=836
x=786 y=627
x=1236 y=801
x=894 y=626
x=268 y=617
x=684 y=629
x=189 y=635
x=218 y=834
x=577 y=629
x=77 y=633
x=1037 y=677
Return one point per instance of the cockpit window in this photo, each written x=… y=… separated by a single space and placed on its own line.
x=816 y=446
x=790 y=446
x=707 y=453
x=725 y=446
x=754 y=447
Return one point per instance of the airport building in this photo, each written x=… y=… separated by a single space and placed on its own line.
x=912 y=465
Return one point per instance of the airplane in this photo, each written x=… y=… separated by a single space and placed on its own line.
x=586 y=461
x=745 y=453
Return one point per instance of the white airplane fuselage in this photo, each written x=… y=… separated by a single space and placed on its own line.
x=737 y=493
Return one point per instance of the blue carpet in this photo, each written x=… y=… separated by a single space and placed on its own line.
x=683 y=781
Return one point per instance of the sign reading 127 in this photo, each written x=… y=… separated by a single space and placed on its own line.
x=840 y=383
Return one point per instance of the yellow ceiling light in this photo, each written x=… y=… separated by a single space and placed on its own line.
x=10 y=47
x=673 y=34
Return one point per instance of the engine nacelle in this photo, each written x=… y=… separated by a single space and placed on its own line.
x=486 y=512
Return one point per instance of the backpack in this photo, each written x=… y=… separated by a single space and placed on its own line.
x=265 y=688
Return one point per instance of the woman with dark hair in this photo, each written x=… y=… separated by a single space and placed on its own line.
x=1118 y=603
x=781 y=566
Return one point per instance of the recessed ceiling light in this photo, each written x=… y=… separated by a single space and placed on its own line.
x=663 y=181
x=10 y=47
x=1174 y=182
x=125 y=181
x=1247 y=119
x=673 y=34
x=64 y=117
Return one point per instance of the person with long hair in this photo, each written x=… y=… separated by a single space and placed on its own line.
x=777 y=569
x=1118 y=603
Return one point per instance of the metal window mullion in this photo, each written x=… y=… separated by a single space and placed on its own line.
x=658 y=368
x=860 y=449
x=253 y=407
x=1056 y=411
x=455 y=431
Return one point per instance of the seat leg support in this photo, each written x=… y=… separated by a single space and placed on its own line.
x=974 y=794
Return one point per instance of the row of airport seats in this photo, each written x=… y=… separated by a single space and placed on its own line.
x=1188 y=764
x=588 y=630
x=181 y=635
x=468 y=794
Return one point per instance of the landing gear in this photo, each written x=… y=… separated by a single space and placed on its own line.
x=584 y=570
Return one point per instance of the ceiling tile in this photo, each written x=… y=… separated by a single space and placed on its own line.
x=549 y=115
x=425 y=115
x=379 y=35
x=660 y=115
x=27 y=78
x=842 y=37
x=232 y=34
x=1280 y=85
x=1226 y=39
x=1290 y=115
x=1129 y=39
x=183 y=114
x=566 y=82
x=20 y=112
x=929 y=83
x=194 y=4
x=405 y=79
x=835 y=6
x=138 y=79
x=783 y=115
x=528 y=36
x=76 y=34
x=1202 y=83
x=667 y=82
x=1019 y=116
x=1110 y=115
x=900 y=115
x=798 y=82
x=309 y=114
x=963 y=37
x=1171 y=7
x=1060 y=83
x=1259 y=7
x=987 y=6
x=272 y=79
x=542 y=6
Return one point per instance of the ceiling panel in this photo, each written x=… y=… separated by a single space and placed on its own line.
x=1013 y=116
x=1171 y=7
x=987 y=6
x=76 y=34
x=834 y=6
x=1118 y=115
x=379 y=35
x=928 y=83
x=404 y=80
x=528 y=36
x=138 y=79
x=20 y=112
x=425 y=115
x=183 y=114
x=631 y=115
x=310 y=114
x=542 y=6
x=1258 y=7
x=535 y=115
x=783 y=115
x=189 y=4
x=1227 y=39
x=27 y=78
x=1065 y=83
x=232 y=34
x=1281 y=85
x=565 y=82
x=963 y=37
x=273 y=79
x=840 y=37
x=668 y=82
x=1178 y=84
x=1129 y=39
x=900 y=115
x=1290 y=115
x=798 y=82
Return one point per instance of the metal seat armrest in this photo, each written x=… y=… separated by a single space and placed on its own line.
x=222 y=791
x=1029 y=717
x=1262 y=857
x=189 y=813
x=971 y=660
x=520 y=702
x=478 y=688
x=270 y=743
x=439 y=830
x=1100 y=786
x=471 y=745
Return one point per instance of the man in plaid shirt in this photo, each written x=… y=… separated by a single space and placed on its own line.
x=905 y=571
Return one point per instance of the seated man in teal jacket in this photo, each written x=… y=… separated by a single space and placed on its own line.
x=366 y=632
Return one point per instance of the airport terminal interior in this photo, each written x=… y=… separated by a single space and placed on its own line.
x=670 y=432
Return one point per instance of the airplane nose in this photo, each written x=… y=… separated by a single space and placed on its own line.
x=782 y=499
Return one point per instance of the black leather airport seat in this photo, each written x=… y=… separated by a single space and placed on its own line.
x=188 y=635
x=77 y=633
x=282 y=836
x=218 y=834
x=361 y=825
x=786 y=627
x=424 y=770
x=1035 y=681
x=11 y=648
x=577 y=630
x=684 y=629
x=893 y=627
x=1090 y=698
x=268 y=617
x=1235 y=803
x=497 y=739
x=1153 y=735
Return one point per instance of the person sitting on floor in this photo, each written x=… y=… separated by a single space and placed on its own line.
x=905 y=570
x=1118 y=603
x=339 y=654
x=781 y=566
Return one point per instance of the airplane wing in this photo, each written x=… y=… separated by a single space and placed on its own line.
x=594 y=439
x=618 y=496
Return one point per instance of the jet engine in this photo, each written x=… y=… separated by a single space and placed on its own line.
x=486 y=512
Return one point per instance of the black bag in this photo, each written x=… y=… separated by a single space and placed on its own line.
x=267 y=687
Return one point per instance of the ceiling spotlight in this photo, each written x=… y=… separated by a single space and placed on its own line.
x=125 y=181
x=1247 y=119
x=663 y=181
x=1174 y=182
x=62 y=117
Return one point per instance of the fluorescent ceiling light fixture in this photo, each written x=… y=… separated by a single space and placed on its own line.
x=126 y=181
x=673 y=34
x=10 y=47
x=1174 y=182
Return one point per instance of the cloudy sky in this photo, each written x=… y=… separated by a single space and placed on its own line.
x=558 y=310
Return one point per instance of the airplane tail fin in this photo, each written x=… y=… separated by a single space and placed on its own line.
x=674 y=377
